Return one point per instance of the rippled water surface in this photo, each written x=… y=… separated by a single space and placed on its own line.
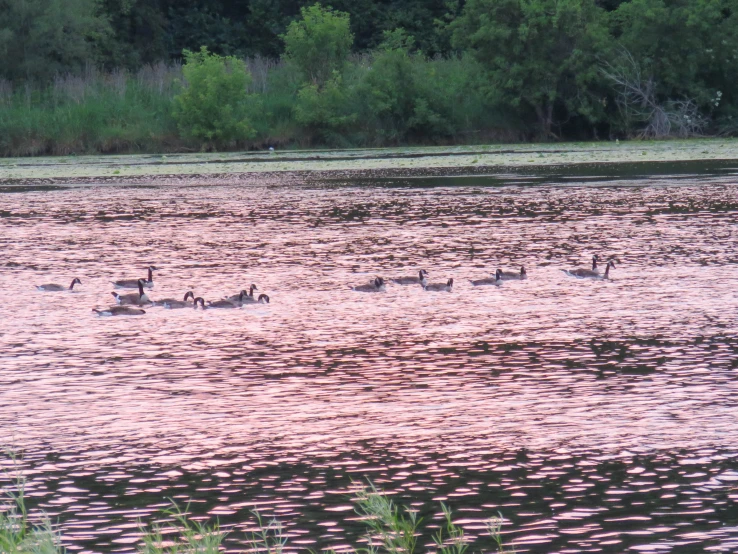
x=596 y=416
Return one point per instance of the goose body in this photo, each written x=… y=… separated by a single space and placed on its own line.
x=421 y=279
x=593 y=274
x=136 y=299
x=173 y=303
x=217 y=305
x=495 y=281
x=133 y=283
x=513 y=275
x=244 y=297
x=119 y=310
x=584 y=272
x=53 y=287
x=440 y=287
x=375 y=286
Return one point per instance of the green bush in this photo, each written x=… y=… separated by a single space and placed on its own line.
x=214 y=106
x=325 y=112
x=319 y=43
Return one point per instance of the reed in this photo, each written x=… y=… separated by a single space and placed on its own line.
x=390 y=529
x=441 y=101
x=18 y=534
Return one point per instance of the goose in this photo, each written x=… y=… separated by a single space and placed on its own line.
x=513 y=275
x=133 y=283
x=53 y=287
x=119 y=310
x=610 y=265
x=422 y=279
x=263 y=299
x=173 y=303
x=218 y=304
x=583 y=272
x=440 y=287
x=375 y=286
x=137 y=299
x=243 y=296
x=497 y=281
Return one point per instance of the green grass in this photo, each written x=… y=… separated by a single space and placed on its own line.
x=390 y=529
x=122 y=112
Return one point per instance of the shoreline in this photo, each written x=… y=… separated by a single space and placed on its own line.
x=347 y=164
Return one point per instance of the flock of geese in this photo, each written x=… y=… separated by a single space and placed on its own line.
x=378 y=284
x=132 y=303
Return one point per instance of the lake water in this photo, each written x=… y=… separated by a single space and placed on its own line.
x=595 y=416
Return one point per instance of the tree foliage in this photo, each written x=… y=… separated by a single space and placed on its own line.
x=318 y=44
x=538 y=54
x=214 y=105
x=39 y=38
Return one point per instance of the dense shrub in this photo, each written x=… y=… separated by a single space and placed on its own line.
x=318 y=44
x=214 y=105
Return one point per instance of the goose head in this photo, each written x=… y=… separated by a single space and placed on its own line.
x=189 y=294
x=423 y=272
x=76 y=281
x=450 y=282
x=199 y=300
x=252 y=288
x=595 y=259
x=523 y=273
x=378 y=282
x=263 y=299
x=498 y=274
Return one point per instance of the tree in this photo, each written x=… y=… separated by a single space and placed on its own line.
x=214 y=105
x=689 y=47
x=318 y=43
x=538 y=54
x=39 y=38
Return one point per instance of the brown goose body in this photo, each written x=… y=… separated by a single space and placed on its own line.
x=119 y=310
x=440 y=287
x=53 y=287
x=133 y=283
x=133 y=299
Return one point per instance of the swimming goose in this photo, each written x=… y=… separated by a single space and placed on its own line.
x=594 y=274
x=218 y=304
x=173 y=303
x=133 y=283
x=497 y=281
x=119 y=310
x=610 y=265
x=440 y=287
x=583 y=272
x=375 y=286
x=243 y=296
x=513 y=275
x=53 y=287
x=136 y=299
x=422 y=279
x=263 y=299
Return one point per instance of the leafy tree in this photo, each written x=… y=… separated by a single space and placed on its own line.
x=539 y=55
x=319 y=43
x=393 y=92
x=39 y=38
x=325 y=111
x=214 y=106
x=688 y=47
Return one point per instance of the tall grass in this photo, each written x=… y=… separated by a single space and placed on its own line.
x=390 y=529
x=90 y=113
x=18 y=534
x=125 y=112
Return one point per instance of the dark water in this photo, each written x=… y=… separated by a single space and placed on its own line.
x=596 y=416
